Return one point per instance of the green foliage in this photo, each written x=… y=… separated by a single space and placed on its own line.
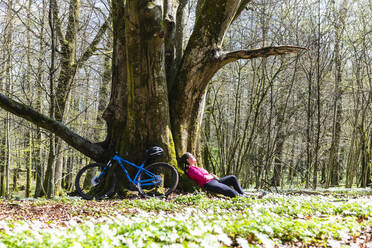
x=198 y=221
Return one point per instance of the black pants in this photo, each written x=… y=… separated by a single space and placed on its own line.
x=228 y=186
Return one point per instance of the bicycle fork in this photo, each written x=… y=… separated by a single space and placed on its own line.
x=96 y=180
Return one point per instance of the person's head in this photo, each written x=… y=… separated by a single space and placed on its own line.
x=187 y=159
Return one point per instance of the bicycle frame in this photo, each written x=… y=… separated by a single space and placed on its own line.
x=152 y=181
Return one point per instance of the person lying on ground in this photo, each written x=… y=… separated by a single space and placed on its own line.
x=228 y=185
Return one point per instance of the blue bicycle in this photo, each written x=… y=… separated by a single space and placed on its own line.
x=98 y=181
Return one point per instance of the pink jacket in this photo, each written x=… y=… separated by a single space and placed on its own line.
x=200 y=175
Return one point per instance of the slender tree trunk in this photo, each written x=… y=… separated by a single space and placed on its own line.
x=28 y=159
x=16 y=172
x=364 y=157
x=28 y=139
x=49 y=185
x=58 y=178
x=333 y=164
x=292 y=163
x=8 y=156
x=8 y=86
x=2 y=131
x=39 y=167
x=206 y=137
x=50 y=174
x=309 y=133
x=278 y=160
x=354 y=148
x=3 y=160
x=39 y=164
x=65 y=80
x=69 y=185
x=351 y=160
x=318 y=105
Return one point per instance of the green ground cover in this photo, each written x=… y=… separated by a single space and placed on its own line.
x=335 y=219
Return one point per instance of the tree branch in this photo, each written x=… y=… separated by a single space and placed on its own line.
x=81 y=144
x=93 y=45
x=57 y=21
x=242 y=7
x=226 y=58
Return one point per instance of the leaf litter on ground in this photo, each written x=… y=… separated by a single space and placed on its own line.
x=193 y=220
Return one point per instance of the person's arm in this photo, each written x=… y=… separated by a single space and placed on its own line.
x=206 y=174
x=199 y=174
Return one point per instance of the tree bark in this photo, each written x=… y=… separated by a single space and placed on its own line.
x=364 y=157
x=48 y=184
x=28 y=139
x=318 y=103
x=8 y=43
x=309 y=132
x=138 y=113
x=333 y=163
x=39 y=165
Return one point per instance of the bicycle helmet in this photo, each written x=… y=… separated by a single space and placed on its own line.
x=154 y=151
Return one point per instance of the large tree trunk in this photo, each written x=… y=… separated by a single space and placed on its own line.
x=138 y=113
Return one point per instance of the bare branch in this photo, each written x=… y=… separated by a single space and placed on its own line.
x=241 y=8
x=92 y=48
x=81 y=144
x=57 y=21
x=259 y=53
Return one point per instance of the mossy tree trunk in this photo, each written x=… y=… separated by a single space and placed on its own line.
x=144 y=120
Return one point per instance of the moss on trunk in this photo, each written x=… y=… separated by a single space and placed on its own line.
x=138 y=113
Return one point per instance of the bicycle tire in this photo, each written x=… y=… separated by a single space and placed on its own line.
x=89 y=190
x=167 y=184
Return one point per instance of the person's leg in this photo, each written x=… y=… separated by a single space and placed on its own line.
x=220 y=188
x=233 y=182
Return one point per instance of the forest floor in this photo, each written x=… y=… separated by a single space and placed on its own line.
x=293 y=219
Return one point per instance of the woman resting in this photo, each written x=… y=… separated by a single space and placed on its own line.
x=228 y=185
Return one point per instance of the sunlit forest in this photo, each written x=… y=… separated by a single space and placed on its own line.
x=277 y=93
x=286 y=121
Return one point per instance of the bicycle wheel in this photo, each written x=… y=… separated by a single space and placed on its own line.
x=89 y=186
x=157 y=180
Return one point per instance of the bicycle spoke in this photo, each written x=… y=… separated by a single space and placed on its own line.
x=162 y=184
x=90 y=183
